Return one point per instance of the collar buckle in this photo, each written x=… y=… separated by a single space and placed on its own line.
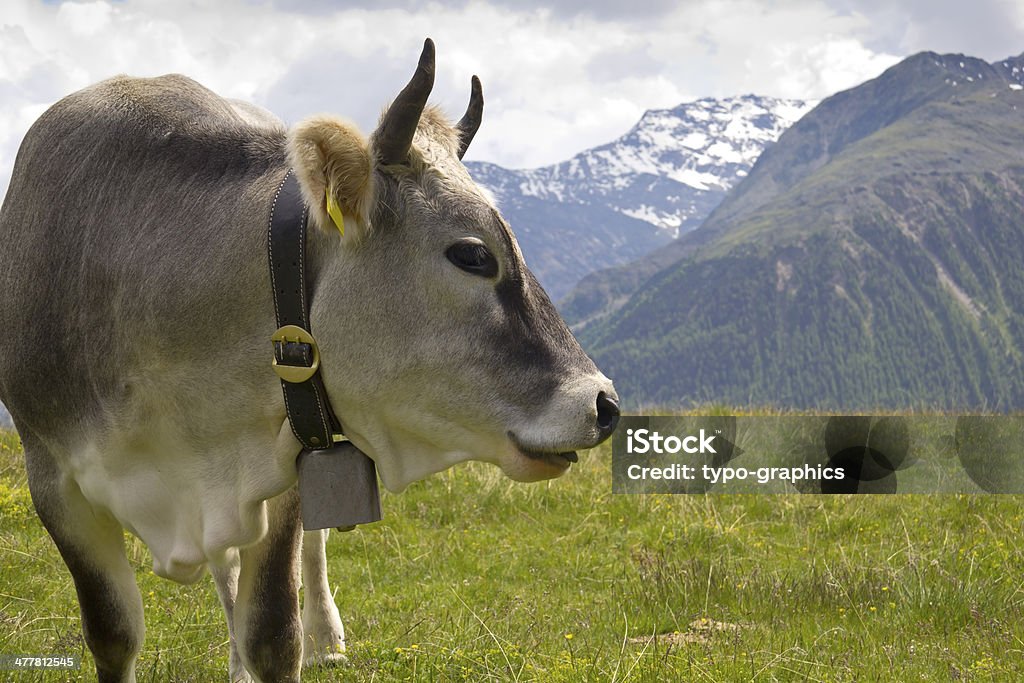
x=293 y=343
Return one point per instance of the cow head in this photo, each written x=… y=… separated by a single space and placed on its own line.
x=437 y=343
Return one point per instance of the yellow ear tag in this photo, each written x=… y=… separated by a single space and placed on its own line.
x=335 y=212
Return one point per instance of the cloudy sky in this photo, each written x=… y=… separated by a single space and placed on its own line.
x=558 y=77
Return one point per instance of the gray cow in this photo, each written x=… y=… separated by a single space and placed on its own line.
x=138 y=311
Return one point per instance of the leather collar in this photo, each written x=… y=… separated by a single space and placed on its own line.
x=296 y=355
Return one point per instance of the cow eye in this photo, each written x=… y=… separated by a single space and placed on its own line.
x=473 y=257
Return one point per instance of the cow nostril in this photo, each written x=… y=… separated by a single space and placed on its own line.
x=607 y=413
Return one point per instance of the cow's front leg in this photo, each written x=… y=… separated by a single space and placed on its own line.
x=226 y=579
x=268 y=630
x=323 y=641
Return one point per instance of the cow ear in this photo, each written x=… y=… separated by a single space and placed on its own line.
x=334 y=167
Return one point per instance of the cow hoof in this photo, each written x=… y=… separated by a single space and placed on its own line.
x=241 y=677
x=327 y=658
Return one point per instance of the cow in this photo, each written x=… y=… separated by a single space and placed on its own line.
x=138 y=310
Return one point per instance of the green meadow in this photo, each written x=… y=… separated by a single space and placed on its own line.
x=471 y=577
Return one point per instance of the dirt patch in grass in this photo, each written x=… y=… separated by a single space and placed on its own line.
x=700 y=631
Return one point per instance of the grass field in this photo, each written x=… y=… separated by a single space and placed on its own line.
x=471 y=577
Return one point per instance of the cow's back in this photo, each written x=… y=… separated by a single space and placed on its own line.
x=131 y=242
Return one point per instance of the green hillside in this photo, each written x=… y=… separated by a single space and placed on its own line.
x=874 y=257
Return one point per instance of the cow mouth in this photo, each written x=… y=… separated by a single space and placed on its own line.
x=560 y=459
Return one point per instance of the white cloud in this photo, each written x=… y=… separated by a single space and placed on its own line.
x=989 y=29
x=84 y=18
x=799 y=49
x=555 y=82
x=825 y=67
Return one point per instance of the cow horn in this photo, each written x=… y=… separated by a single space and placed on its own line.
x=470 y=121
x=394 y=135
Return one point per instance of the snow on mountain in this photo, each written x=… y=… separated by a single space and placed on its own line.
x=667 y=173
x=705 y=145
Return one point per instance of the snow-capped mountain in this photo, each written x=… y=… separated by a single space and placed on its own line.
x=623 y=199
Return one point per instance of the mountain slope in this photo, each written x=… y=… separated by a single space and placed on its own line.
x=872 y=258
x=619 y=201
x=809 y=145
